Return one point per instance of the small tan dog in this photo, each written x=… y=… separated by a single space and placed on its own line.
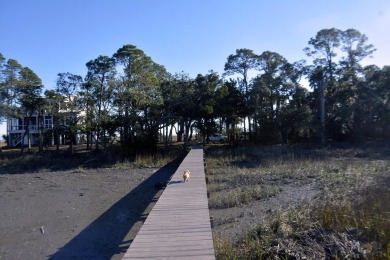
x=186 y=176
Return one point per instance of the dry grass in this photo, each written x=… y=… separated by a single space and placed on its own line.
x=241 y=195
x=354 y=194
x=11 y=161
x=159 y=158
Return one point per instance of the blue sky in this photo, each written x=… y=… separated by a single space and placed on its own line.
x=54 y=36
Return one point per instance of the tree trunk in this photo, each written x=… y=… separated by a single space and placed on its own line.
x=246 y=104
x=180 y=132
x=57 y=137
x=88 y=137
x=186 y=134
x=322 y=97
x=29 y=135
x=71 y=137
x=99 y=113
x=165 y=135
x=40 y=127
x=170 y=134
x=26 y=132
x=126 y=126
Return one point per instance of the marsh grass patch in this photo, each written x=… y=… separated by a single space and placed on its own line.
x=12 y=161
x=242 y=195
x=352 y=209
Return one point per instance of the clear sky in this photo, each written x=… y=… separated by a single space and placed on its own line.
x=194 y=36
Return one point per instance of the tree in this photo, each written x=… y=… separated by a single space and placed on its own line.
x=29 y=91
x=323 y=49
x=9 y=86
x=343 y=98
x=52 y=106
x=2 y=61
x=205 y=88
x=170 y=97
x=69 y=86
x=297 y=116
x=183 y=103
x=2 y=96
x=242 y=63
x=2 y=89
x=20 y=90
x=340 y=94
x=354 y=44
x=191 y=102
x=129 y=57
x=138 y=95
x=88 y=104
x=100 y=72
x=271 y=91
x=316 y=79
x=372 y=113
x=230 y=107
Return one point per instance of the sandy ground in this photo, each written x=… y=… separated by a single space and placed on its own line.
x=75 y=214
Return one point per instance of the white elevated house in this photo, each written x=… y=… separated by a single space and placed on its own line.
x=16 y=129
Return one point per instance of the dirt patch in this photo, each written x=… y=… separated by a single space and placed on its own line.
x=75 y=214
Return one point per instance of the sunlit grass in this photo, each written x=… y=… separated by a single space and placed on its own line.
x=159 y=158
x=12 y=161
x=152 y=160
x=242 y=195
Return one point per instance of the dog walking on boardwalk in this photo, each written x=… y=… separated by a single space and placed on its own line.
x=186 y=176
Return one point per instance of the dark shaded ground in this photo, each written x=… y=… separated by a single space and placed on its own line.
x=76 y=213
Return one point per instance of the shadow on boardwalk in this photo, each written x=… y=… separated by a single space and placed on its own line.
x=103 y=238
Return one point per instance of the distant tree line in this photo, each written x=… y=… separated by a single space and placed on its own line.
x=261 y=98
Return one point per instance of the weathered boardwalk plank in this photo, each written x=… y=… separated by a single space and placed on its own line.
x=178 y=227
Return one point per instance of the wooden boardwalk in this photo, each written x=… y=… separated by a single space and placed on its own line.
x=178 y=227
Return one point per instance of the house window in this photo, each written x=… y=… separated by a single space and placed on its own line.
x=22 y=123
x=33 y=123
x=48 y=121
